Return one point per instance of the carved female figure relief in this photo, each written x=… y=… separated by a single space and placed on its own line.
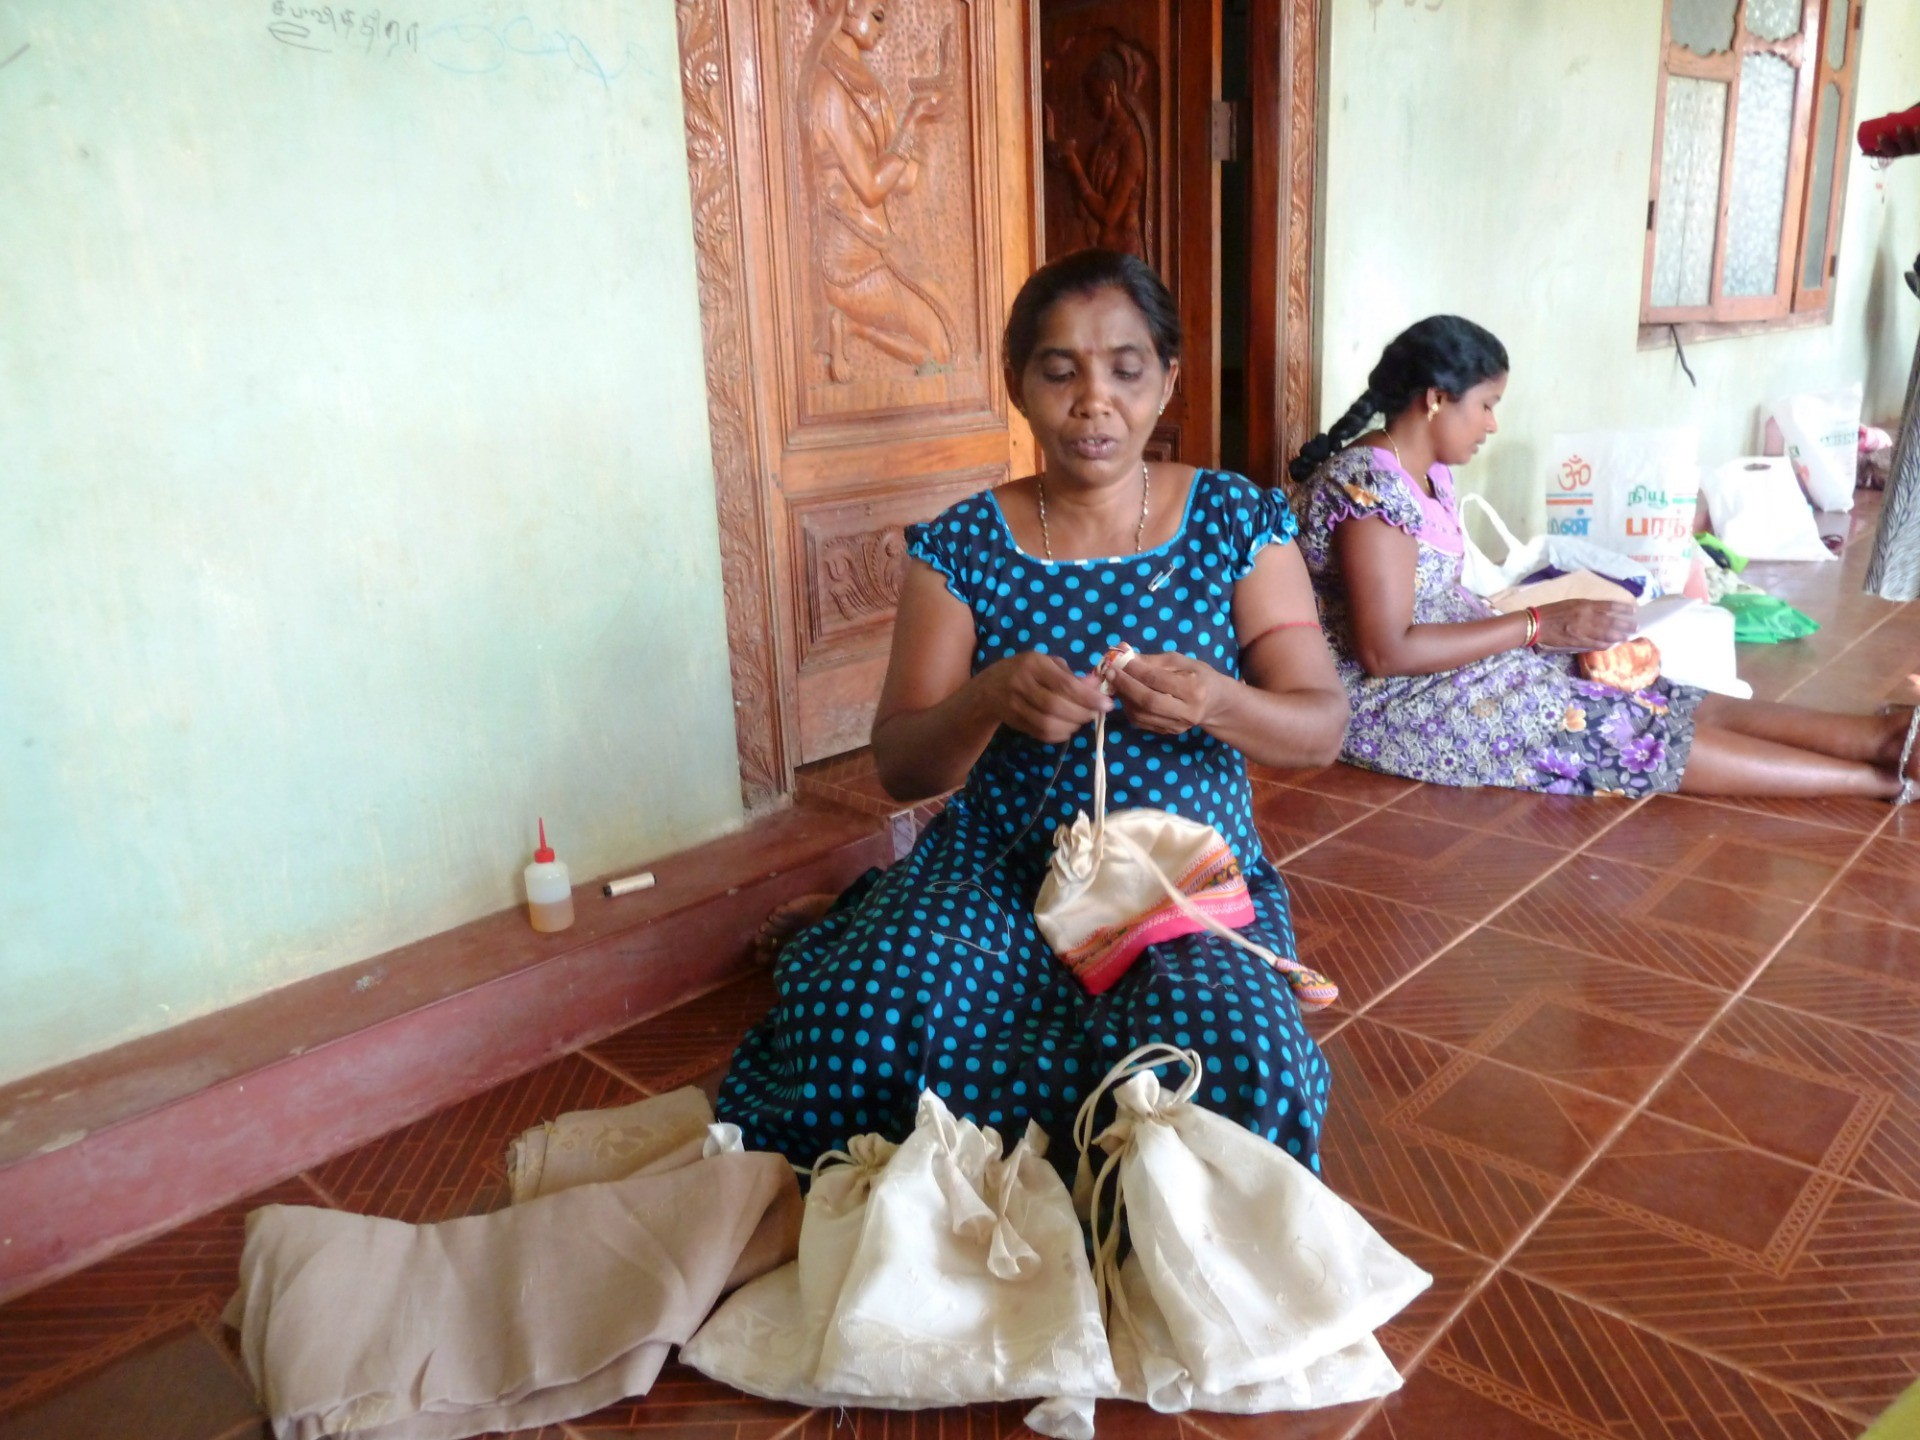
x=1110 y=187
x=859 y=159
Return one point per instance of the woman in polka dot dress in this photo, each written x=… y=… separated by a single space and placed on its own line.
x=932 y=973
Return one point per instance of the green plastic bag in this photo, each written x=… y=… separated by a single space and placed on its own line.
x=1726 y=555
x=1765 y=620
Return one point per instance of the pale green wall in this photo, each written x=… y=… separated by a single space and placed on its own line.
x=1491 y=158
x=356 y=502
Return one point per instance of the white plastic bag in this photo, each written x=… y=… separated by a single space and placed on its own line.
x=1695 y=641
x=1630 y=491
x=1759 y=510
x=1821 y=434
x=1562 y=552
x=1259 y=1276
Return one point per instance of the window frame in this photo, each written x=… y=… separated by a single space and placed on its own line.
x=1792 y=302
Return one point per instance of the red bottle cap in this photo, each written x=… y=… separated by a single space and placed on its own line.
x=544 y=855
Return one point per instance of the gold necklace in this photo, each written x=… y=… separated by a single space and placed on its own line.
x=1424 y=483
x=1139 y=531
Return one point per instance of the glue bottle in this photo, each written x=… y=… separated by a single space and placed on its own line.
x=549 y=891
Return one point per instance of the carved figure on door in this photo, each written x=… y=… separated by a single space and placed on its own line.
x=859 y=159
x=1111 y=186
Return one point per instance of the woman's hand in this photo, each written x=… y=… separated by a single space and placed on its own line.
x=1039 y=695
x=1585 y=624
x=1168 y=694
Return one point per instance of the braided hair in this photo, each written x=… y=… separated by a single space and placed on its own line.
x=1442 y=352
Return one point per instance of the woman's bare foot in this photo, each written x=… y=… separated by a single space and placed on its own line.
x=786 y=921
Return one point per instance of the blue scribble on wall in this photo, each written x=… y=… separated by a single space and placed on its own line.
x=479 y=47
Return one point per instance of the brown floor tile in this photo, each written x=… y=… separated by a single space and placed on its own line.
x=1776 y=672
x=51 y=1336
x=1365 y=944
x=1290 y=819
x=1468 y=873
x=684 y=1402
x=1116 y=1419
x=1858 y=816
x=179 y=1387
x=679 y=1047
x=1343 y=782
x=1524 y=1363
x=1455 y=1272
x=1453 y=1145
x=1791 y=1275
x=1825 y=1094
x=454 y=1163
x=1336 y=1422
x=1563 y=821
x=1873 y=679
x=1846 y=967
x=1606 y=1027
x=1821 y=1122
x=1883 y=884
x=1787 y=859
x=1710 y=934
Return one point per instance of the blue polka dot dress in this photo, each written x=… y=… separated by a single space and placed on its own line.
x=932 y=973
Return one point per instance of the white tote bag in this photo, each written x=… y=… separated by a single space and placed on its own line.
x=1821 y=436
x=1261 y=1279
x=1759 y=510
x=1563 y=552
x=1630 y=491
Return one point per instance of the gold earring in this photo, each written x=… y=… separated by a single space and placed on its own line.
x=1433 y=409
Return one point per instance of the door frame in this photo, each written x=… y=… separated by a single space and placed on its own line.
x=1284 y=121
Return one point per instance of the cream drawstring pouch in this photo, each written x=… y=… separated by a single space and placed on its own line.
x=1122 y=881
x=1251 y=1286
x=941 y=1272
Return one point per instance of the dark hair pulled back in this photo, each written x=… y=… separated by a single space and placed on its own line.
x=1082 y=273
x=1442 y=352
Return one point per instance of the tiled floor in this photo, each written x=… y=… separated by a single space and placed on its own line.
x=1639 y=1086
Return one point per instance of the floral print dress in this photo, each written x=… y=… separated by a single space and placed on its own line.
x=1518 y=718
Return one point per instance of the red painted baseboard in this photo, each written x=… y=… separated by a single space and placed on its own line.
x=100 y=1154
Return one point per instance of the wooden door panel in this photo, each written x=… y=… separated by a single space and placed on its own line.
x=882 y=205
x=1127 y=91
x=888 y=254
x=849 y=555
x=885 y=169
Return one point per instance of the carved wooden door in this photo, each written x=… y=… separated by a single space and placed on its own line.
x=863 y=207
x=1134 y=137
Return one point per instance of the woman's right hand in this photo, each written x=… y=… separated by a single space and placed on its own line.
x=1039 y=695
x=1585 y=624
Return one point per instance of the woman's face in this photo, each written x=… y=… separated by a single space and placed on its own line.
x=1093 y=387
x=1460 y=427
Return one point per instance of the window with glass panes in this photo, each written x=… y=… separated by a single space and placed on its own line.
x=1749 y=159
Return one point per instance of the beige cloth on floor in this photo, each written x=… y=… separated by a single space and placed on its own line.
x=587 y=1146
x=352 y=1325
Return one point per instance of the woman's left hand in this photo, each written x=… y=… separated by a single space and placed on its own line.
x=1168 y=694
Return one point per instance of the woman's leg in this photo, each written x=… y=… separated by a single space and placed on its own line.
x=1728 y=762
x=1873 y=739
